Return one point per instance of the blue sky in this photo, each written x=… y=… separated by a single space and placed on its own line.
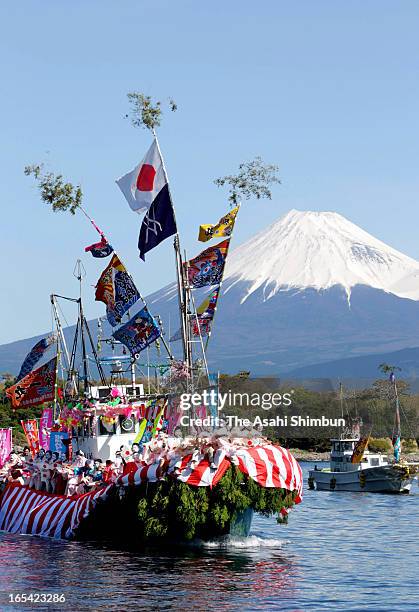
x=327 y=90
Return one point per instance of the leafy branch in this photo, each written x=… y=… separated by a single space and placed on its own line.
x=55 y=191
x=253 y=179
x=385 y=368
x=144 y=112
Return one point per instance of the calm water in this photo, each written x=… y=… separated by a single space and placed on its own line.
x=340 y=551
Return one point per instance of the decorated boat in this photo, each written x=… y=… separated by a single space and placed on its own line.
x=354 y=468
x=107 y=452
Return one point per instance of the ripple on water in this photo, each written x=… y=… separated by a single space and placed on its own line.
x=339 y=552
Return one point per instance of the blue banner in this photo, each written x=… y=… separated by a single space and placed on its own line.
x=35 y=355
x=56 y=442
x=139 y=332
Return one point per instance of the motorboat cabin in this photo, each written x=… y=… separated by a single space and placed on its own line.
x=341 y=456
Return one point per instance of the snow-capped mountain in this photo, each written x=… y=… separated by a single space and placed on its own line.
x=319 y=250
x=311 y=288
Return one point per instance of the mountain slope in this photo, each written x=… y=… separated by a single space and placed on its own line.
x=363 y=367
x=311 y=288
x=319 y=250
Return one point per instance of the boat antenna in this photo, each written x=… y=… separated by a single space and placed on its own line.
x=79 y=272
x=396 y=430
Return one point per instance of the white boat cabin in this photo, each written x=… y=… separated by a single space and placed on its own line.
x=104 y=440
x=341 y=456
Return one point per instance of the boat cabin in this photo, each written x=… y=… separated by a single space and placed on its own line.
x=341 y=456
x=102 y=438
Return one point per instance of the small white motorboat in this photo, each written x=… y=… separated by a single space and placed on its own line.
x=373 y=473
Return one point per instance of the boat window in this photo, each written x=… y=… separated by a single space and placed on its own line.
x=347 y=446
x=104 y=392
x=375 y=461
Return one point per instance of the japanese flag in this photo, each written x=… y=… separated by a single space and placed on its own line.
x=142 y=185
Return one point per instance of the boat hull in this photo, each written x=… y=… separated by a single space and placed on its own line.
x=242 y=524
x=382 y=479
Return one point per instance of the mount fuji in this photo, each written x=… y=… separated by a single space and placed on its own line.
x=313 y=288
x=319 y=250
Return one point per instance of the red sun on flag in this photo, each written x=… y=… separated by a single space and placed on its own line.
x=145 y=179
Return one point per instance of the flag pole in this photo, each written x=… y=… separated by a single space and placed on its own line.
x=200 y=338
x=55 y=405
x=221 y=283
x=92 y=222
x=182 y=284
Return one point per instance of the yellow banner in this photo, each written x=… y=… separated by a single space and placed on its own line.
x=359 y=449
x=223 y=228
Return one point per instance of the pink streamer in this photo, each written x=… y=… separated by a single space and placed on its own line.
x=45 y=425
x=5 y=445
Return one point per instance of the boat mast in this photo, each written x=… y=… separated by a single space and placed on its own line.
x=184 y=298
x=397 y=428
x=179 y=281
x=342 y=431
x=59 y=327
x=94 y=351
x=80 y=272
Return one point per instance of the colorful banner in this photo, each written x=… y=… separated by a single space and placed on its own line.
x=207 y=267
x=35 y=388
x=159 y=419
x=141 y=431
x=359 y=449
x=397 y=447
x=139 y=332
x=174 y=414
x=5 y=445
x=158 y=224
x=30 y=429
x=100 y=249
x=56 y=442
x=222 y=229
x=35 y=355
x=45 y=425
x=116 y=289
x=205 y=314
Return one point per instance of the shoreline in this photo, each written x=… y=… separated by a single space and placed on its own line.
x=303 y=455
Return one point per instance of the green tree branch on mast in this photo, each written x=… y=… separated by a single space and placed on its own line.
x=254 y=179
x=145 y=112
x=55 y=191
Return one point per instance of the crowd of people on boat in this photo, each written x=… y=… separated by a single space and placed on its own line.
x=48 y=472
